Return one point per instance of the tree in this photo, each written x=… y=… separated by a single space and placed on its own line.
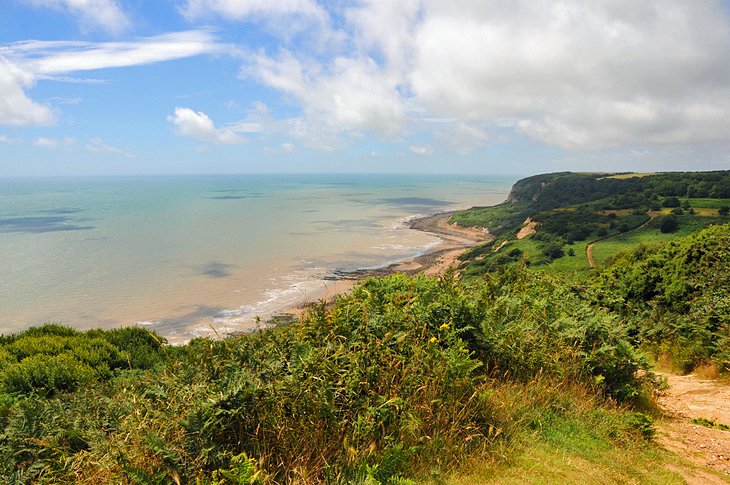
x=669 y=224
x=670 y=202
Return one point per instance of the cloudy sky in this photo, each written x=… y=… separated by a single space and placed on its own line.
x=469 y=86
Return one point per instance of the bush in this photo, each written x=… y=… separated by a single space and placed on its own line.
x=47 y=373
x=553 y=251
x=102 y=352
x=670 y=202
x=669 y=224
x=674 y=297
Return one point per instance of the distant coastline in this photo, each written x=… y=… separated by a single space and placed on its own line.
x=193 y=257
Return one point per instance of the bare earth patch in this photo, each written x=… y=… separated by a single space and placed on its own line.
x=690 y=397
x=527 y=229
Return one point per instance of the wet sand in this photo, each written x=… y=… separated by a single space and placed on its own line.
x=455 y=240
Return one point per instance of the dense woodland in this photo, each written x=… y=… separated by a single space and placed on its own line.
x=406 y=379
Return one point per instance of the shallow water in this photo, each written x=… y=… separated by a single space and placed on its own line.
x=199 y=255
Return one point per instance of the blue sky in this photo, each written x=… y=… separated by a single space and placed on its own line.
x=468 y=86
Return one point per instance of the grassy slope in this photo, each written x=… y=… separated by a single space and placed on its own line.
x=605 y=251
x=531 y=195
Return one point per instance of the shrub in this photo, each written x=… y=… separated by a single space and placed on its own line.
x=101 y=351
x=670 y=201
x=48 y=373
x=669 y=224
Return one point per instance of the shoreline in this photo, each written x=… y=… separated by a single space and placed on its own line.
x=437 y=260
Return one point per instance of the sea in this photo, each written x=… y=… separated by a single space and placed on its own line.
x=191 y=256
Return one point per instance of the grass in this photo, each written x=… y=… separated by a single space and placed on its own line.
x=708 y=423
x=571 y=265
x=624 y=176
x=708 y=203
x=605 y=251
x=547 y=464
x=568 y=440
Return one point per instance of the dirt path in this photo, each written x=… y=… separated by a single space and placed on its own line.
x=589 y=254
x=589 y=248
x=690 y=397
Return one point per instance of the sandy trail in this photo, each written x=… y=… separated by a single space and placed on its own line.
x=690 y=397
x=589 y=248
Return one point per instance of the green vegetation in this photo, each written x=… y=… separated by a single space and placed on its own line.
x=53 y=358
x=501 y=374
x=406 y=377
x=571 y=209
x=710 y=424
x=674 y=297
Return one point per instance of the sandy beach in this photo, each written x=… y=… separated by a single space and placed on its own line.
x=455 y=240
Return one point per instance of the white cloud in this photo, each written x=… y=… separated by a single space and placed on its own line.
x=24 y=63
x=16 y=108
x=96 y=145
x=45 y=142
x=574 y=74
x=348 y=95
x=105 y=14
x=53 y=142
x=243 y=9
x=578 y=74
x=421 y=149
x=5 y=139
x=51 y=58
x=198 y=125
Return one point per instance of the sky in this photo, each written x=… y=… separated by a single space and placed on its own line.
x=102 y=87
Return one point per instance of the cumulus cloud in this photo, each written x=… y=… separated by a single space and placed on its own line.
x=199 y=126
x=574 y=74
x=22 y=64
x=16 y=108
x=578 y=74
x=104 y=14
x=349 y=94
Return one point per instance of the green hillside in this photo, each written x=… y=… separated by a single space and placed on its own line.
x=584 y=220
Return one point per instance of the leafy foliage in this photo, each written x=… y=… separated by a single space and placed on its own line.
x=676 y=297
x=400 y=376
x=54 y=358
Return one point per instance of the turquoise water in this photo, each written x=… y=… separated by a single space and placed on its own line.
x=193 y=256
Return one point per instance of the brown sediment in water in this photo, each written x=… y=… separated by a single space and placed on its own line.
x=455 y=240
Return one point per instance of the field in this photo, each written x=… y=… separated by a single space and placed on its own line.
x=605 y=251
x=708 y=203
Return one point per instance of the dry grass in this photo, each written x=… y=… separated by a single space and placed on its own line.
x=624 y=176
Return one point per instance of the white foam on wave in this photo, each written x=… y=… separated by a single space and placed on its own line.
x=287 y=291
x=308 y=284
